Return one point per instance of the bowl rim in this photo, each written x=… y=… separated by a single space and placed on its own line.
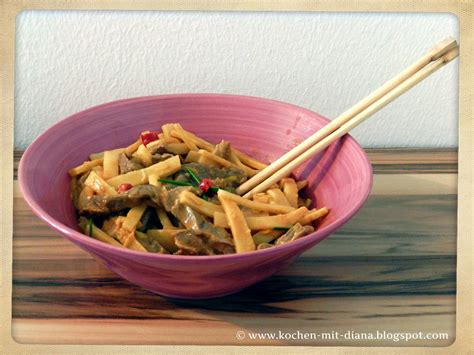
x=79 y=238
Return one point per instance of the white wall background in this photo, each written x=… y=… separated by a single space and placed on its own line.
x=68 y=61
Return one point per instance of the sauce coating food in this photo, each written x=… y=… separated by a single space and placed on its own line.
x=172 y=192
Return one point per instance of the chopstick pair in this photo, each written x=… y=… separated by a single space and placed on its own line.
x=433 y=60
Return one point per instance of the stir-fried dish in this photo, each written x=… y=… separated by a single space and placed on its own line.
x=173 y=192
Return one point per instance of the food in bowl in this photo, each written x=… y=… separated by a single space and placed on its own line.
x=340 y=178
x=172 y=192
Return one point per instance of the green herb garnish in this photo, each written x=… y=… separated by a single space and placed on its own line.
x=173 y=182
x=198 y=180
x=193 y=175
x=281 y=228
x=91 y=225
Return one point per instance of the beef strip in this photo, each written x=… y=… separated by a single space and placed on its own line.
x=150 y=244
x=169 y=196
x=295 y=232
x=157 y=157
x=223 y=178
x=191 y=244
x=223 y=150
x=137 y=195
x=126 y=165
x=218 y=238
x=157 y=149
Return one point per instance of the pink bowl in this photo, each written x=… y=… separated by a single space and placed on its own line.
x=340 y=178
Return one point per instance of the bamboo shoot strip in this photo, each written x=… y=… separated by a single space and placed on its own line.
x=86 y=166
x=290 y=189
x=133 y=217
x=314 y=215
x=111 y=163
x=99 y=185
x=138 y=177
x=244 y=158
x=93 y=231
x=240 y=231
x=205 y=207
x=259 y=206
x=179 y=132
x=165 y=237
x=164 y=219
x=266 y=222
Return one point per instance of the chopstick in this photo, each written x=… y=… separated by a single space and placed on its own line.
x=433 y=60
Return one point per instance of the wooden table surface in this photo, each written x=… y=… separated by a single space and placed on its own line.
x=392 y=268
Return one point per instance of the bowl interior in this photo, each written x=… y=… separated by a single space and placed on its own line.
x=339 y=178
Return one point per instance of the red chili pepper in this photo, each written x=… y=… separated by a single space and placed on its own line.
x=124 y=187
x=205 y=185
x=148 y=137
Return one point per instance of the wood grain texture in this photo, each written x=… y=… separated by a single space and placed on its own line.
x=391 y=268
x=420 y=161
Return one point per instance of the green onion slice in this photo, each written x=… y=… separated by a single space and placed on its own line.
x=193 y=175
x=198 y=180
x=173 y=182
x=91 y=224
